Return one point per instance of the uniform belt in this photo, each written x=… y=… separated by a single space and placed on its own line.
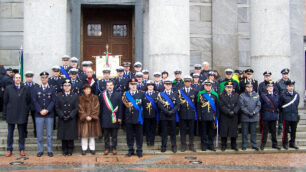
x=270 y=110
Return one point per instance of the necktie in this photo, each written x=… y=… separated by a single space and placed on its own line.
x=150 y=93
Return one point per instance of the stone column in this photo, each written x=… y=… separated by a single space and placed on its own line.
x=168 y=36
x=225 y=35
x=270 y=37
x=297 y=46
x=45 y=34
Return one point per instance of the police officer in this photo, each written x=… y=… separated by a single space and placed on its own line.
x=229 y=108
x=262 y=86
x=150 y=112
x=64 y=67
x=44 y=100
x=127 y=73
x=207 y=105
x=66 y=106
x=7 y=78
x=139 y=78
x=229 y=78
x=248 y=79
x=269 y=115
x=197 y=70
x=282 y=88
x=158 y=84
x=196 y=82
x=239 y=73
x=132 y=99
x=101 y=84
x=31 y=111
x=76 y=84
x=110 y=116
x=178 y=82
x=250 y=106
x=73 y=63
x=168 y=103
x=56 y=81
x=289 y=102
x=215 y=84
x=187 y=113
x=145 y=76
x=137 y=68
x=121 y=82
x=85 y=66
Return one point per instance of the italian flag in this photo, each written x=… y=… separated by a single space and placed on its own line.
x=110 y=107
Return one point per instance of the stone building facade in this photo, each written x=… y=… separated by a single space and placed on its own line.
x=166 y=34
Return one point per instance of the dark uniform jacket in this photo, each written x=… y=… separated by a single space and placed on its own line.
x=176 y=85
x=15 y=104
x=250 y=106
x=186 y=111
x=263 y=89
x=269 y=106
x=7 y=80
x=106 y=113
x=31 y=87
x=235 y=85
x=56 y=83
x=101 y=86
x=93 y=84
x=204 y=75
x=66 y=107
x=77 y=86
x=141 y=86
x=148 y=109
x=245 y=81
x=166 y=112
x=128 y=74
x=131 y=113
x=205 y=111
x=44 y=99
x=159 y=87
x=281 y=86
x=290 y=112
x=229 y=121
x=121 y=84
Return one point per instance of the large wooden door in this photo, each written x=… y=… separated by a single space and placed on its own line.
x=112 y=26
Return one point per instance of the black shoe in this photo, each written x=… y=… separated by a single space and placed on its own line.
x=130 y=154
x=163 y=150
x=174 y=149
x=255 y=148
x=92 y=152
x=192 y=149
x=203 y=148
x=69 y=154
x=65 y=153
x=235 y=148
x=83 y=152
x=212 y=148
x=183 y=149
x=139 y=155
x=262 y=147
x=293 y=146
x=50 y=154
x=243 y=149
x=223 y=148
x=39 y=154
x=285 y=147
x=276 y=147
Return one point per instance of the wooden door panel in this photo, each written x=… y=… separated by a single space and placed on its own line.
x=121 y=49
x=93 y=50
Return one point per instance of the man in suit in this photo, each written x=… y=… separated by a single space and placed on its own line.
x=110 y=116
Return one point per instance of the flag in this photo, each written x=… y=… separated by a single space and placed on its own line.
x=21 y=64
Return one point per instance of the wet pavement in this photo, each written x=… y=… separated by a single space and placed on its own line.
x=161 y=163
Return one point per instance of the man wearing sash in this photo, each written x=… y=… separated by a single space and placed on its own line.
x=64 y=67
x=132 y=99
x=121 y=82
x=207 y=110
x=187 y=113
x=110 y=116
x=289 y=102
x=269 y=115
x=229 y=107
x=169 y=103
x=150 y=113
x=250 y=106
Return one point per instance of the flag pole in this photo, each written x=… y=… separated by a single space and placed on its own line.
x=21 y=63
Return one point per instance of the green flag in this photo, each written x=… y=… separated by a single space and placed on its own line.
x=21 y=64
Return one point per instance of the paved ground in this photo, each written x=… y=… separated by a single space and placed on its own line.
x=161 y=163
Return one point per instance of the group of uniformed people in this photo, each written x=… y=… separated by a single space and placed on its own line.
x=201 y=103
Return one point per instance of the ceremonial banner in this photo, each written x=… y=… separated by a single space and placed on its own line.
x=101 y=64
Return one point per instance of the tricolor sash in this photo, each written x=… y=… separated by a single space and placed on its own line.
x=154 y=105
x=164 y=95
x=133 y=101
x=190 y=103
x=110 y=107
x=64 y=72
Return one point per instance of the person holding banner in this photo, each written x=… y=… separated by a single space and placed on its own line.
x=207 y=110
x=132 y=99
x=150 y=112
x=169 y=103
x=229 y=108
x=250 y=106
x=187 y=112
x=110 y=116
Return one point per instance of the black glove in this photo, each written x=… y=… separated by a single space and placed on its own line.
x=251 y=115
x=231 y=113
x=66 y=118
